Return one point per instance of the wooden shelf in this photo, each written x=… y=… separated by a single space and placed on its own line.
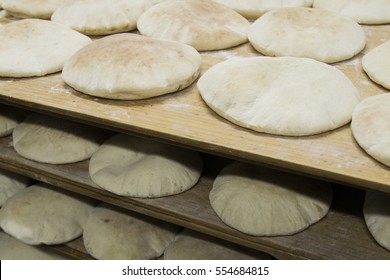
x=341 y=235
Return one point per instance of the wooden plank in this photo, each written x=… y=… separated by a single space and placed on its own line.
x=182 y=118
x=341 y=235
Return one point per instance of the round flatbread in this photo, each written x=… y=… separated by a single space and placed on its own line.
x=203 y=24
x=253 y=9
x=53 y=140
x=129 y=66
x=42 y=9
x=307 y=32
x=283 y=95
x=191 y=245
x=43 y=214
x=35 y=47
x=362 y=11
x=376 y=212
x=376 y=64
x=264 y=202
x=10 y=117
x=13 y=249
x=371 y=126
x=112 y=233
x=132 y=166
x=10 y=184
x=101 y=17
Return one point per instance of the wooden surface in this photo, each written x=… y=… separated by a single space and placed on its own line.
x=182 y=118
x=342 y=234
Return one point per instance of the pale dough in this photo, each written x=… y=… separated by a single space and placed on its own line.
x=265 y=202
x=376 y=64
x=35 y=47
x=10 y=184
x=31 y=8
x=371 y=126
x=112 y=233
x=10 y=117
x=132 y=166
x=203 y=24
x=283 y=95
x=362 y=11
x=129 y=66
x=307 y=32
x=101 y=17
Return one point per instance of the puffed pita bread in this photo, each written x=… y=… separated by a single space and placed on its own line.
x=42 y=9
x=376 y=64
x=53 y=140
x=35 y=47
x=132 y=166
x=362 y=11
x=203 y=24
x=130 y=66
x=191 y=245
x=112 y=233
x=43 y=214
x=265 y=202
x=10 y=117
x=13 y=249
x=253 y=9
x=282 y=95
x=10 y=184
x=371 y=126
x=307 y=32
x=101 y=17
x=376 y=212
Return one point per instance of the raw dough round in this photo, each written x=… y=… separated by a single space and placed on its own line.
x=191 y=245
x=112 y=233
x=132 y=166
x=264 y=202
x=10 y=117
x=35 y=47
x=43 y=214
x=376 y=64
x=283 y=95
x=307 y=32
x=253 y=9
x=101 y=17
x=376 y=212
x=31 y=8
x=13 y=249
x=129 y=66
x=10 y=184
x=203 y=24
x=371 y=126
x=362 y=11
x=52 y=140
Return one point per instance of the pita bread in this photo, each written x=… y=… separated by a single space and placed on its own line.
x=112 y=233
x=10 y=117
x=375 y=64
x=43 y=214
x=362 y=11
x=371 y=126
x=253 y=9
x=203 y=24
x=101 y=17
x=306 y=32
x=376 y=212
x=57 y=141
x=129 y=66
x=265 y=202
x=10 y=184
x=42 y=9
x=283 y=95
x=13 y=249
x=34 y=47
x=191 y=245
x=132 y=166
